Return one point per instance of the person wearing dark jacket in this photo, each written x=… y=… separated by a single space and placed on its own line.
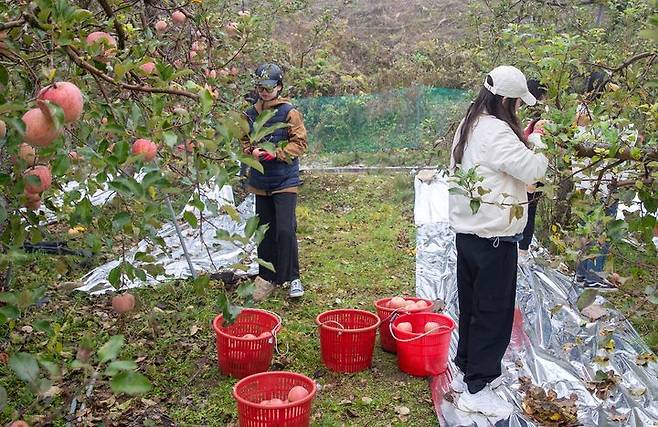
x=536 y=124
x=276 y=189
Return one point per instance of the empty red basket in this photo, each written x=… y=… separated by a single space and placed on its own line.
x=347 y=339
x=421 y=354
x=385 y=313
x=250 y=391
x=240 y=357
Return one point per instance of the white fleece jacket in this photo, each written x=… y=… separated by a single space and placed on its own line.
x=507 y=166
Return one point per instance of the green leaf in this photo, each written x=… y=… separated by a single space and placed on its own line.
x=56 y=114
x=170 y=139
x=81 y=15
x=43 y=325
x=119 y=186
x=135 y=115
x=4 y=76
x=3 y=398
x=120 y=365
x=115 y=276
x=110 y=350
x=120 y=219
x=121 y=151
x=475 y=205
x=50 y=366
x=83 y=212
x=9 y=312
x=250 y=161
x=61 y=164
x=265 y=264
x=586 y=298
x=25 y=366
x=246 y=289
x=251 y=226
x=141 y=274
x=130 y=383
x=191 y=219
x=223 y=235
x=206 y=101
x=9 y=298
x=144 y=257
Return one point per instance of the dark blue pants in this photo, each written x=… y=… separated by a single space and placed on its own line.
x=280 y=243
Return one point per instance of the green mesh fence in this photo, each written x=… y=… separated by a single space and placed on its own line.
x=379 y=122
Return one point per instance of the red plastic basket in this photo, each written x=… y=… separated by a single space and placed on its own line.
x=386 y=314
x=423 y=354
x=250 y=391
x=239 y=356
x=347 y=339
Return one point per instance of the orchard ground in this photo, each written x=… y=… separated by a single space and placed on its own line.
x=357 y=245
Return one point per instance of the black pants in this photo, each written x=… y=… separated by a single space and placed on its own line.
x=486 y=281
x=280 y=243
x=529 y=230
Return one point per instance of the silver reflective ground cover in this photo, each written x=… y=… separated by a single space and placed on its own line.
x=213 y=256
x=552 y=342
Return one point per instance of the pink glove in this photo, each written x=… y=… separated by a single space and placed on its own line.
x=268 y=157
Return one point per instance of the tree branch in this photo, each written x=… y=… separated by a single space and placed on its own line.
x=237 y=52
x=117 y=25
x=12 y=24
x=626 y=64
x=593 y=150
x=137 y=88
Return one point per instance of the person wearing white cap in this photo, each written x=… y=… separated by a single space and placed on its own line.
x=491 y=140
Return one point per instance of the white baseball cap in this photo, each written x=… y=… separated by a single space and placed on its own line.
x=510 y=82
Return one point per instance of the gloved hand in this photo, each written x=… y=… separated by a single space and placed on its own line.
x=263 y=155
x=267 y=156
x=539 y=127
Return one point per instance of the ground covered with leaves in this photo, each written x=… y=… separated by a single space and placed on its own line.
x=357 y=245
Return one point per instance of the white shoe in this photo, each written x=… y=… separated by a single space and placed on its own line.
x=296 y=289
x=485 y=402
x=457 y=384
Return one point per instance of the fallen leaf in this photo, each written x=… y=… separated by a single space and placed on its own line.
x=594 y=311
x=148 y=402
x=644 y=359
x=52 y=391
x=638 y=391
x=402 y=410
x=366 y=400
x=193 y=330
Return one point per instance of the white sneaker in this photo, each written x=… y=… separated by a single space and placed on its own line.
x=457 y=384
x=485 y=402
x=296 y=289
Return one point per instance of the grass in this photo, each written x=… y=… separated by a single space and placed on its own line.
x=356 y=235
x=356 y=244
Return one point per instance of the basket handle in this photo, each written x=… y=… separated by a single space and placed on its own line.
x=332 y=321
x=394 y=314
x=390 y=328
x=278 y=323
x=276 y=338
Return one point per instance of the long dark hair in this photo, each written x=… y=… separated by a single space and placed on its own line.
x=493 y=104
